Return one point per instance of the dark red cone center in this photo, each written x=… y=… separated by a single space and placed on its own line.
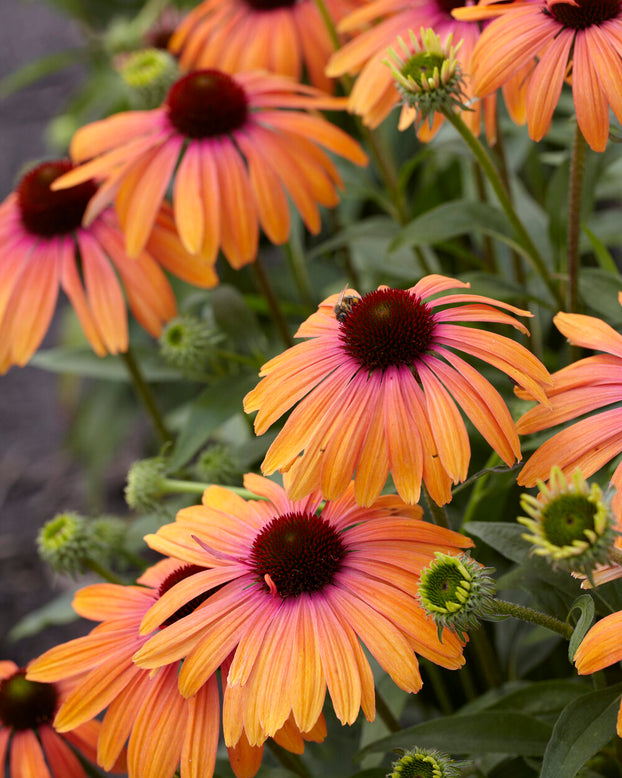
x=300 y=552
x=46 y=212
x=26 y=704
x=388 y=327
x=269 y=5
x=586 y=14
x=185 y=571
x=206 y=103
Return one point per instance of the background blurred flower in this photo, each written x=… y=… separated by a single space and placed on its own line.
x=580 y=40
x=43 y=247
x=29 y=743
x=241 y=154
x=282 y=36
x=379 y=392
x=579 y=388
x=299 y=591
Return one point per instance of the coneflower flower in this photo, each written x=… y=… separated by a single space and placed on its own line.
x=296 y=591
x=378 y=387
x=281 y=36
x=164 y=731
x=30 y=745
x=44 y=248
x=577 y=40
x=235 y=146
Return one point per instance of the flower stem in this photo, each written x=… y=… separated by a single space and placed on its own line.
x=103 y=572
x=328 y=23
x=143 y=390
x=533 y=617
x=439 y=514
x=273 y=303
x=501 y=192
x=577 y=168
x=289 y=761
x=383 y=710
x=300 y=272
x=177 y=486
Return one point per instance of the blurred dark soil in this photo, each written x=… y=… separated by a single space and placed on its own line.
x=38 y=476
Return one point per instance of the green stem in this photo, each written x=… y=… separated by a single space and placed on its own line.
x=486 y=658
x=103 y=572
x=501 y=192
x=289 y=761
x=146 y=396
x=577 y=168
x=233 y=356
x=328 y=23
x=301 y=274
x=533 y=617
x=177 y=486
x=439 y=514
x=490 y=262
x=383 y=710
x=273 y=303
x=438 y=686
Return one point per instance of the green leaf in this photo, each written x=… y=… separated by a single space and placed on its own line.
x=57 y=611
x=598 y=288
x=82 y=361
x=586 y=605
x=505 y=538
x=487 y=732
x=459 y=217
x=582 y=729
x=541 y=698
x=604 y=258
x=215 y=405
x=40 y=68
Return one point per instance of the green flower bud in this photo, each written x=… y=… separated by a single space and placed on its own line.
x=216 y=465
x=148 y=75
x=423 y=763
x=456 y=591
x=569 y=522
x=428 y=75
x=109 y=534
x=145 y=483
x=186 y=343
x=66 y=543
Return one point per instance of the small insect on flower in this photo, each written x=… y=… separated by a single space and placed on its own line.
x=344 y=305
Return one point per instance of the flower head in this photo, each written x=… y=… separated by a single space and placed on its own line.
x=281 y=36
x=187 y=343
x=428 y=76
x=569 y=522
x=578 y=40
x=423 y=763
x=300 y=590
x=66 y=543
x=44 y=247
x=377 y=26
x=148 y=75
x=587 y=385
x=378 y=390
x=28 y=738
x=164 y=730
x=456 y=591
x=236 y=147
